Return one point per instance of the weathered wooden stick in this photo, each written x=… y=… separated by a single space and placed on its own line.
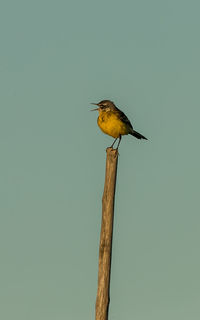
x=105 y=246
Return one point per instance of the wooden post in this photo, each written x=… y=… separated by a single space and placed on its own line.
x=105 y=246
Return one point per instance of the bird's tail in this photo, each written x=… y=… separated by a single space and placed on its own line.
x=137 y=135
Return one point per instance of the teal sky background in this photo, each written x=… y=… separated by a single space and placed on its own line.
x=56 y=57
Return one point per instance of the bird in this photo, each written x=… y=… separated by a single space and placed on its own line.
x=114 y=122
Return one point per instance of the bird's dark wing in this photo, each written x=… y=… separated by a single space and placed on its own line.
x=124 y=118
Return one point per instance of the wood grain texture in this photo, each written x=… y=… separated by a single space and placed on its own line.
x=105 y=246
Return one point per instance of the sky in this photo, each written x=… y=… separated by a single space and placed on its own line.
x=56 y=58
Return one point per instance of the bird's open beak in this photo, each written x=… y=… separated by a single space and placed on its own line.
x=95 y=104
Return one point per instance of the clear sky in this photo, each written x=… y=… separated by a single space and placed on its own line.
x=55 y=58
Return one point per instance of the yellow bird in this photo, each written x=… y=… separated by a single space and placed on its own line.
x=114 y=122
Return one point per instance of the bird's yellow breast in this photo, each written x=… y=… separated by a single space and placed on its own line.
x=110 y=123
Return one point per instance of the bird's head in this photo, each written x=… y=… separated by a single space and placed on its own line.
x=104 y=105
